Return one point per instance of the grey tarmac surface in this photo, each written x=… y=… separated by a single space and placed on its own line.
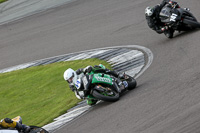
x=12 y=10
x=167 y=97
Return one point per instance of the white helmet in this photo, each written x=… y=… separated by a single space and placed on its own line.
x=149 y=11
x=70 y=75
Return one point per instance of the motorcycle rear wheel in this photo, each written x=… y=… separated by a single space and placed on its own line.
x=194 y=24
x=132 y=84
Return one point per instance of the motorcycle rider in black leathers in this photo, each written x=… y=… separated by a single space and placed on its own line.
x=153 y=20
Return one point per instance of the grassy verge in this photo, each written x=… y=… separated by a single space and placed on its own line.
x=39 y=94
x=1 y=1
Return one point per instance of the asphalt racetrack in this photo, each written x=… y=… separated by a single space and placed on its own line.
x=167 y=99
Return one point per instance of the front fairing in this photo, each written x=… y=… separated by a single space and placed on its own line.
x=169 y=15
x=102 y=79
x=97 y=69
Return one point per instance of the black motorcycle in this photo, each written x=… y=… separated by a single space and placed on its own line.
x=177 y=19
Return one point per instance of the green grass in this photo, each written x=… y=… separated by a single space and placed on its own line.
x=39 y=94
x=1 y=1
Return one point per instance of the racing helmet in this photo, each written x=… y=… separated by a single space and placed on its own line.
x=70 y=75
x=149 y=11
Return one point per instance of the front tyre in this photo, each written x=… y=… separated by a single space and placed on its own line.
x=110 y=96
x=169 y=33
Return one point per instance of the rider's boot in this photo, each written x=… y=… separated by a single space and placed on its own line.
x=91 y=100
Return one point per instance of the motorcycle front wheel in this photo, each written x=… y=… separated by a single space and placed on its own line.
x=169 y=33
x=107 y=95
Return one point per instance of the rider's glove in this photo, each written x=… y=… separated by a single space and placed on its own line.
x=71 y=86
x=121 y=75
x=174 y=4
x=87 y=69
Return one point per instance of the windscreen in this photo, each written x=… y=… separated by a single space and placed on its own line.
x=165 y=12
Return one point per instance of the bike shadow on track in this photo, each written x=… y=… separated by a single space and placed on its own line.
x=182 y=34
x=185 y=33
x=103 y=104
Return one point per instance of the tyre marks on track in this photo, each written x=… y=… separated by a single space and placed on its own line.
x=132 y=59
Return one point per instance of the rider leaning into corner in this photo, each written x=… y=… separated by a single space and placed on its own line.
x=70 y=76
x=15 y=123
x=153 y=20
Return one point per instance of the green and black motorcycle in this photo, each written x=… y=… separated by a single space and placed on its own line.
x=101 y=86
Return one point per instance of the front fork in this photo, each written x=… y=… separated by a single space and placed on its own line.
x=116 y=87
x=119 y=85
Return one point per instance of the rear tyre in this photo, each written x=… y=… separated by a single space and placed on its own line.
x=105 y=96
x=169 y=33
x=132 y=84
x=194 y=24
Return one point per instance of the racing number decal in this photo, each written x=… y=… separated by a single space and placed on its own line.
x=78 y=84
x=173 y=17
